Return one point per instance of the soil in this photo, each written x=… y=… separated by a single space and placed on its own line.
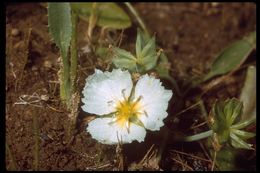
x=191 y=35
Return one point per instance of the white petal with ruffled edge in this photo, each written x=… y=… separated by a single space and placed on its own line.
x=103 y=90
x=108 y=133
x=154 y=101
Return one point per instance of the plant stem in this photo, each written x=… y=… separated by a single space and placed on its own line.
x=65 y=78
x=134 y=12
x=73 y=104
x=73 y=53
x=197 y=136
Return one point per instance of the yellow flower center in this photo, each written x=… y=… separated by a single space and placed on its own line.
x=127 y=112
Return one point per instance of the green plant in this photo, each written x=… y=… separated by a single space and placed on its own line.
x=63 y=20
x=232 y=56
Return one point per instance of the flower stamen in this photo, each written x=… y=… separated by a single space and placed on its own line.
x=123 y=93
x=127 y=112
x=145 y=113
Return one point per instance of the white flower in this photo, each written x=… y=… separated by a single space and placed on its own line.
x=125 y=112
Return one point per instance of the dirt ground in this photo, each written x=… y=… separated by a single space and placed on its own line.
x=191 y=34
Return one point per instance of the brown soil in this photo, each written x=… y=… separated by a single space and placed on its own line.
x=191 y=34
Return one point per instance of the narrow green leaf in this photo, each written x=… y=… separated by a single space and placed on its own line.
x=232 y=57
x=248 y=94
x=220 y=126
x=60 y=25
x=139 y=43
x=125 y=63
x=219 y=117
x=148 y=57
x=163 y=66
x=236 y=107
x=196 y=137
x=229 y=108
x=149 y=48
x=244 y=123
x=239 y=143
x=149 y=62
x=243 y=134
x=121 y=53
x=124 y=59
x=109 y=14
x=145 y=52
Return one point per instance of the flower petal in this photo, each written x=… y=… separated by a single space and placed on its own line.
x=106 y=132
x=103 y=90
x=154 y=101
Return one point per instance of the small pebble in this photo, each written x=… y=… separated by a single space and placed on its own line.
x=47 y=64
x=86 y=49
x=45 y=97
x=15 y=32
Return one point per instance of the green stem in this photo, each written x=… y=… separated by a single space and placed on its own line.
x=134 y=12
x=197 y=136
x=73 y=74
x=74 y=53
x=65 y=78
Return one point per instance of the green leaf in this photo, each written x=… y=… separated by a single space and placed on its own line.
x=145 y=52
x=109 y=14
x=233 y=109
x=220 y=125
x=124 y=59
x=243 y=134
x=60 y=25
x=248 y=94
x=139 y=43
x=232 y=57
x=239 y=143
x=224 y=114
x=163 y=66
x=149 y=48
x=148 y=57
x=244 y=123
